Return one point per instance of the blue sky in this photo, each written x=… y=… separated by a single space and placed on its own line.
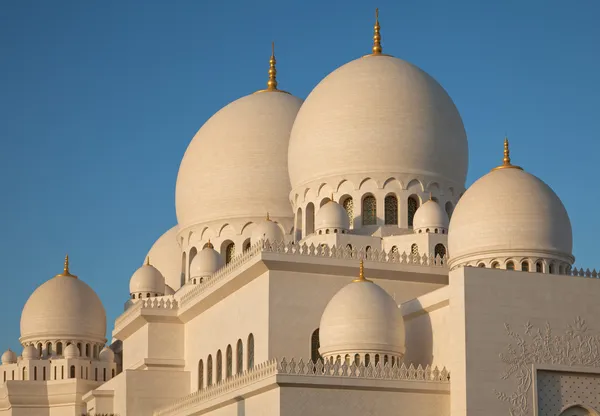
x=99 y=100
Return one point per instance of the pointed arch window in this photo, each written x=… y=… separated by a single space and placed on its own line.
x=193 y=253
x=250 y=351
x=229 y=252
x=239 y=357
x=413 y=205
x=449 y=208
x=440 y=250
x=414 y=251
x=348 y=205
x=525 y=266
x=314 y=346
x=391 y=210
x=219 y=366
x=209 y=372
x=183 y=268
x=200 y=375
x=510 y=265
x=369 y=210
x=229 y=362
x=538 y=267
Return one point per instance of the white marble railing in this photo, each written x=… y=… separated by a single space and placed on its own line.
x=162 y=302
x=323 y=251
x=310 y=369
x=584 y=273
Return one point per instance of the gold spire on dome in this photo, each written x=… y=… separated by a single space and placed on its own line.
x=66 y=271
x=209 y=244
x=147 y=260
x=332 y=200
x=361 y=273
x=272 y=82
x=506 y=161
x=377 y=35
x=268 y=218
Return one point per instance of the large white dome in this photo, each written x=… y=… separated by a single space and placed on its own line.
x=361 y=318
x=165 y=255
x=236 y=165
x=378 y=116
x=509 y=213
x=63 y=308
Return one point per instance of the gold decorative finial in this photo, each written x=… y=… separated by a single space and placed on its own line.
x=272 y=82
x=430 y=196
x=331 y=196
x=268 y=218
x=361 y=273
x=506 y=160
x=209 y=244
x=66 y=271
x=147 y=260
x=377 y=35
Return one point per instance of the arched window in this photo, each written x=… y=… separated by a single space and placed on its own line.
x=87 y=350
x=440 y=250
x=95 y=351
x=413 y=205
x=314 y=346
x=414 y=251
x=481 y=265
x=24 y=374
x=495 y=265
x=219 y=366
x=59 y=348
x=229 y=362
x=510 y=265
x=310 y=219
x=376 y=359
x=391 y=209
x=538 y=267
x=250 y=351
x=298 y=227
x=369 y=210
x=40 y=349
x=49 y=349
x=209 y=371
x=576 y=411
x=229 y=252
x=449 y=209
x=72 y=372
x=348 y=205
x=239 y=357
x=34 y=373
x=191 y=256
x=183 y=263
x=246 y=246
x=356 y=360
x=525 y=266
x=551 y=268
x=367 y=360
x=200 y=375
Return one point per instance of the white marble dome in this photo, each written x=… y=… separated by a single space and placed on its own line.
x=267 y=230
x=430 y=216
x=332 y=216
x=107 y=355
x=509 y=213
x=71 y=351
x=166 y=257
x=30 y=353
x=361 y=318
x=236 y=165
x=9 y=357
x=206 y=262
x=64 y=307
x=147 y=279
x=378 y=116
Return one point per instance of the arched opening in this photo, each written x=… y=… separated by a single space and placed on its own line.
x=96 y=374
x=229 y=362
x=348 y=204
x=24 y=374
x=229 y=251
x=209 y=372
x=298 y=227
x=482 y=265
x=376 y=359
x=219 y=366
x=34 y=373
x=40 y=349
x=577 y=410
x=314 y=346
x=104 y=374
x=414 y=252
x=495 y=265
x=49 y=349
x=95 y=351
x=525 y=266
x=191 y=256
x=59 y=348
x=510 y=265
x=246 y=246
x=394 y=252
x=183 y=263
x=72 y=372
x=250 y=351
x=440 y=250
x=239 y=367
x=356 y=360
x=200 y=375
x=449 y=209
x=413 y=205
x=367 y=360
x=310 y=218
x=43 y=373
x=551 y=268
x=369 y=210
x=539 y=268
x=391 y=210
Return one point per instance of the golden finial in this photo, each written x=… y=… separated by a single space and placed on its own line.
x=268 y=217
x=377 y=35
x=147 y=260
x=361 y=273
x=209 y=244
x=331 y=196
x=430 y=196
x=272 y=82
x=66 y=271
x=506 y=160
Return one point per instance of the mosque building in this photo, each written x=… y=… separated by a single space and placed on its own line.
x=331 y=263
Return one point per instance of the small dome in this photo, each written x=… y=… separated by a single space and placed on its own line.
x=378 y=117
x=107 y=355
x=9 y=357
x=430 y=216
x=71 y=351
x=332 y=216
x=267 y=230
x=206 y=262
x=30 y=353
x=361 y=318
x=166 y=257
x=63 y=307
x=506 y=213
x=147 y=279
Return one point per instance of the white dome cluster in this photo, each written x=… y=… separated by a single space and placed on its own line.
x=8 y=357
x=332 y=218
x=206 y=262
x=146 y=282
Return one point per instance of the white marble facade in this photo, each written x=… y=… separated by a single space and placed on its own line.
x=328 y=259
